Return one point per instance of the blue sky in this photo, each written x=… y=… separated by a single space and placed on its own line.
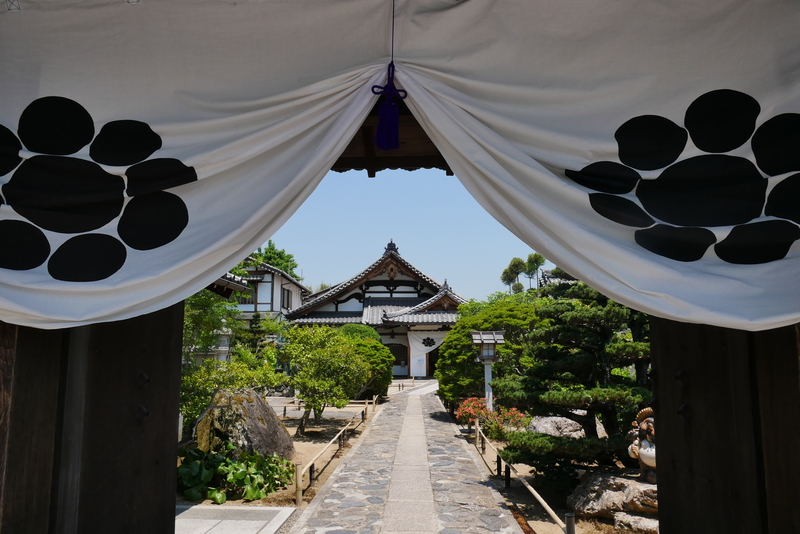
x=346 y=223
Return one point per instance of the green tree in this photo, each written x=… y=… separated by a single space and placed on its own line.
x=278 y=258
x=576 y=352
x=459 y=375
x=380 y=362
x=517 y=267
x=378 y=357
x=360 y=331
x=566 y=352
x=206 y=316
x=508 y=278
x=534 y=262
x=325 y=370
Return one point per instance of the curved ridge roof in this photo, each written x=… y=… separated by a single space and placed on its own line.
x=444 y=291
x=390 y=252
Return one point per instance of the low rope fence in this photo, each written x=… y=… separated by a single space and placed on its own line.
x=340 y=438
x=481 y=441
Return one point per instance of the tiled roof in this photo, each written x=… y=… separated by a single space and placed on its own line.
x=274 y=270
x=427 y=317
x=330 y=318
x=230 y=279
x=339 y=289
x=445 y=291
x=226 y=284
x=375 y=307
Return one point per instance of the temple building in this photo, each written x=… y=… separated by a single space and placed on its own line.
x=411 y=311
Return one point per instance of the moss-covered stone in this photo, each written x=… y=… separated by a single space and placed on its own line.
x=243 y=419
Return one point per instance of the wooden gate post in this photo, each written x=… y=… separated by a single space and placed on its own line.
x=88 y=426
x=728 y=424
x=30 y=364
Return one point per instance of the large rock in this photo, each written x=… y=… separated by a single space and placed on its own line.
x=245 y=420
x=603 y=494
x=635 y=523
x=562 y=426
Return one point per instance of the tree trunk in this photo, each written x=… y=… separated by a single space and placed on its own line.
x=318 y=414
x=301 y=428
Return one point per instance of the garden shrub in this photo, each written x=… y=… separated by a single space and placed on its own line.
x=494 y=424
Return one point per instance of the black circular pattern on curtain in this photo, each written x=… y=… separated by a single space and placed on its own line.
x=675 y=210
x=109 y=210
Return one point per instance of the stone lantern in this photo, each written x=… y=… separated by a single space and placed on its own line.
x=487 y=343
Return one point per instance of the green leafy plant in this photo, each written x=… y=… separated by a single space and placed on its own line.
x=196 y=471
x=217 y=476
x=252 y=476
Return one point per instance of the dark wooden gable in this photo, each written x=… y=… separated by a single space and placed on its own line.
x=445 y=303
x=383 y=273
x=416 y=150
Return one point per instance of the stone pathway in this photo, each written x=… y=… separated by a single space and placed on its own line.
x=411 y=472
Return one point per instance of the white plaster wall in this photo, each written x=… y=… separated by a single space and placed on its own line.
x=351 y=305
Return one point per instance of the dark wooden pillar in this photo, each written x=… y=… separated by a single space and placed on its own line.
x=728 y=420
x=99 y=406
x=30 y=365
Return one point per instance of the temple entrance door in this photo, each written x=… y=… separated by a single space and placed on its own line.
x=433 y=358
x=400 y=353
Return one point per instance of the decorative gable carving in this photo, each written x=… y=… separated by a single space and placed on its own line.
x=443 y=304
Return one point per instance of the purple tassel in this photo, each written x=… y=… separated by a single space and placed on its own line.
x=387 y=134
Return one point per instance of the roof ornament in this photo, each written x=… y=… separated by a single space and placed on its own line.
x=391 y=247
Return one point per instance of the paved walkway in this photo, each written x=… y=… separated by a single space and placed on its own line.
x=215 y=519
x=409 y=473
